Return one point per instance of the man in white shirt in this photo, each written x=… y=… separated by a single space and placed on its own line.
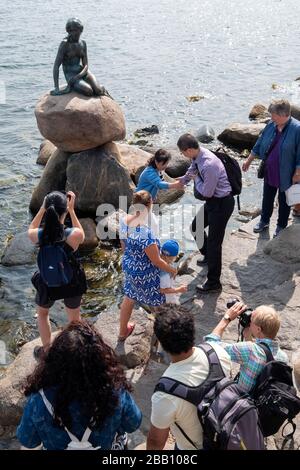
x=175 y=330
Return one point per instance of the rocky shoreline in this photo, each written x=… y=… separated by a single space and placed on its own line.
x=258 y=270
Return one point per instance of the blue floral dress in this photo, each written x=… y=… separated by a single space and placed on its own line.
x=142 y=278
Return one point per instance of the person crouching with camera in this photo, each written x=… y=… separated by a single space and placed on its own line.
x=259 y=326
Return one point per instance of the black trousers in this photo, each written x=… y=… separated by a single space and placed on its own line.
x=268 y=206
x=217 y=212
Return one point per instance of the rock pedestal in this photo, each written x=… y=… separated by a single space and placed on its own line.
x=74 y=122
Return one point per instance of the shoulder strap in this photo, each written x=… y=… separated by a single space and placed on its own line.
x=194 y=394
x=49 y=407
x=267 y=351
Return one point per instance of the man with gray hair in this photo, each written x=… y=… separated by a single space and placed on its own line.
x=278 y=147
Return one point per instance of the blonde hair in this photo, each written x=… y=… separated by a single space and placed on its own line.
x=268 y=320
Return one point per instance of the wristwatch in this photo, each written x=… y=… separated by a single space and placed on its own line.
x=227 y=317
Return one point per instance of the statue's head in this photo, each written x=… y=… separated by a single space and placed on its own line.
x=74 y=24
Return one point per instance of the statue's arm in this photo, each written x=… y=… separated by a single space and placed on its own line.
x=84 y=67
x=58 y=62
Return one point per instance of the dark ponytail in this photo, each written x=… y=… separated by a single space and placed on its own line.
x=56 y=206
x=161 y=156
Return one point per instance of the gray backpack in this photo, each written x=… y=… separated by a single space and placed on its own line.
x=228 y=416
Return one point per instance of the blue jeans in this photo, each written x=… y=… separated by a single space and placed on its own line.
x=268 y=205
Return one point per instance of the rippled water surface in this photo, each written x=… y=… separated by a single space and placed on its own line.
x=150 y=56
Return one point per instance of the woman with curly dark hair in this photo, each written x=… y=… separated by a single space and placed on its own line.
x=85 y=385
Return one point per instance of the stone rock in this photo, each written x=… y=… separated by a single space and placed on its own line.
x=133 y=158
x=91 y=241
x=168 y=196
x=135 y=351
x=259 y=113
x=295 y=111
x=251 y=213
x=97 y=177
x=145 y=131
x=205 y=134
x=285 y=248
x=19 y=251
x=241 y=135
x=108 y=227
x=75 y=122
x=11 y=397
x=46 y=150
x=178 y=164
x=52 y=179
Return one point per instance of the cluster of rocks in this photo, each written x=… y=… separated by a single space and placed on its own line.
x=80 y=155
x=244 y=136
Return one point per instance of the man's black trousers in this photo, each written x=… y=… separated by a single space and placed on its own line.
x=217 y=212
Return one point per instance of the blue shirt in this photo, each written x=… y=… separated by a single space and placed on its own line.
x=289 y=155
x=151 y=181
x=37 y=424
x=210 y=175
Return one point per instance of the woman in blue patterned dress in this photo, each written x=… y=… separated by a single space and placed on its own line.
x=141 y=262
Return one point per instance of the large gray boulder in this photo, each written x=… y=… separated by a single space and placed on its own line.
x=168 y=196
x=90 y=241
x=241 y=136
x=136 y=350
x=19 y=251
x=53 y=179
x=178 y=164
x=74 y=122
x=205 y=134
x=285 y=248
x=108 y=226
x=133 y=158
x=97 y=176
x=46 y=150
x=12 y=398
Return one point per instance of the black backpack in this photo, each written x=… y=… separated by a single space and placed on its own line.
x=275 y=396
x=233 y=171
x=228 y=416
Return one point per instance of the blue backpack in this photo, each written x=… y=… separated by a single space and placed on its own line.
x=54 y=265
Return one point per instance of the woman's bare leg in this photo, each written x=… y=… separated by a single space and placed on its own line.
x=73 y=314
x=44 y=326
x=125 y=314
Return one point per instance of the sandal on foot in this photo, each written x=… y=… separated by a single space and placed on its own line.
x=130 y=328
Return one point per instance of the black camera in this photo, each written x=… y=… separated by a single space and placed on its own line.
x=245 y=317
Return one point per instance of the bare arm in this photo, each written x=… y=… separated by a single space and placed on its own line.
x=77 y=236
x=157 y=438
x=233 y=313
x=58 y=62
x=153 y=254
x=173 y=290
x=34 y=226
x=248 y=162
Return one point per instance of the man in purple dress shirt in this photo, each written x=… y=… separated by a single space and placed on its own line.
x=212 y=185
